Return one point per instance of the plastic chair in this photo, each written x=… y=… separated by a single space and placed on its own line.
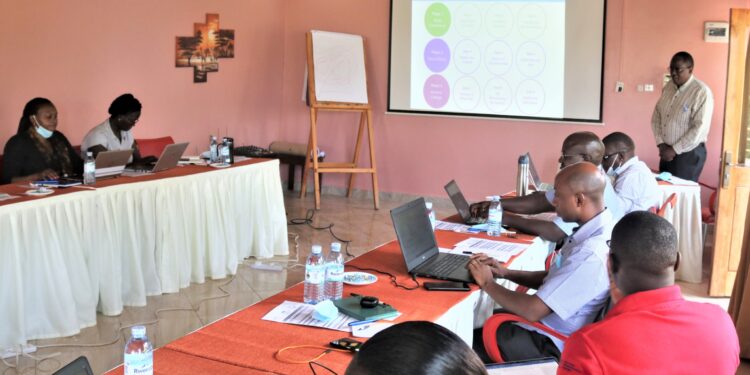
x=668 y=204
x=153 y=146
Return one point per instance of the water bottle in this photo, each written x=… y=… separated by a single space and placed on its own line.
x=213 y=150
x=89 y=169
x=522 y=177
x=315 y=273
x=226 y=151
x=431 y=214
x=139 y=355
x=495 y=217
x=334 y=272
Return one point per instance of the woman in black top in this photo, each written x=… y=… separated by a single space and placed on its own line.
x=38 y=151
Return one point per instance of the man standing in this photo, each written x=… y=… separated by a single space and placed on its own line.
x=681 y=120
x=571 y=293
x=635 y=185
x=651 y=329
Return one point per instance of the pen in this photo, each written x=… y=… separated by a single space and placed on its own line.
x=360 y=322
x=468 y=252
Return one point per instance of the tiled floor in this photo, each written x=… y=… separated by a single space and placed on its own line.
x=353 y=219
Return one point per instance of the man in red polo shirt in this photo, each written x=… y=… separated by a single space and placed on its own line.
x=651 y=329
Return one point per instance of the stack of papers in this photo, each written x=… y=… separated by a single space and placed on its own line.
x=301 y=314
x=453 y=227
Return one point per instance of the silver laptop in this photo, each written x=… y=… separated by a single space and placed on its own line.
x=420 y=249
x=535 y=179
x=112 y=163
x=463 y=207
x=168 y=160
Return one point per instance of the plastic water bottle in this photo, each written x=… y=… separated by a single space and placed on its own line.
x=495 y=217
x=213 y=150
x=89 y=169
x=431 y=214
x=315 y=273
x=334 y=272
x=139 y=355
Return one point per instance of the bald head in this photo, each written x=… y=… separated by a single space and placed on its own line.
x=585 y=145
x=579 y=192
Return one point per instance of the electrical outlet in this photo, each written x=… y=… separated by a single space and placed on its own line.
x=619 y=86
x=640 y=88
x=649 y=87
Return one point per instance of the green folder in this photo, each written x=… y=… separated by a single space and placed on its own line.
x=350 y=306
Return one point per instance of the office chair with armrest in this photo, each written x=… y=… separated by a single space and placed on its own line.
x=153 y=146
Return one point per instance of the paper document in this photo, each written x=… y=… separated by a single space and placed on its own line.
x=301 y=314
x=454 y=227
x=500 y=250
x=4 y=197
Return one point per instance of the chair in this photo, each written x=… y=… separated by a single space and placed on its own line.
x=153 y=146
x=667 y=205
x=708 y=214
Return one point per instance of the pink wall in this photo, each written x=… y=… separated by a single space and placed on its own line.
x=420 y=154
x=82 y=54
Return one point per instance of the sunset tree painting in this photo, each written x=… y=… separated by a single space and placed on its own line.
x=202 y=50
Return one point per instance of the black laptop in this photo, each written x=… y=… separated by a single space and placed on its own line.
x=420 y=249
x=463 y=207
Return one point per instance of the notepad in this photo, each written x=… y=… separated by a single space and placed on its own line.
x=350 y=306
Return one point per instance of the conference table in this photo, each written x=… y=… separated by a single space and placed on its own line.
x=83 y=249
x=244 y=343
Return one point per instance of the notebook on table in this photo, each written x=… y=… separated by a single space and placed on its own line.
x=168 y=160
x=420 y=249
x=350 y=306
x=112 y=163
x=463 y=207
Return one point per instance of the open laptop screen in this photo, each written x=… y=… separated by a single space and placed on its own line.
x=414 y=232
x=458 y=199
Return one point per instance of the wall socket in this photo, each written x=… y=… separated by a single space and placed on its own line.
x=619 y=86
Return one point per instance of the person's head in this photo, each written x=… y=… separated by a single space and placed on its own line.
x=581 y=146
x=38 y=112
x=618 y=149
x=579 y=192
x=125 y=112
x=681 y=68
x=415 y=348
x=642 y=253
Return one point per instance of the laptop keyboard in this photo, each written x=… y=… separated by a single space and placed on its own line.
x=447 y=264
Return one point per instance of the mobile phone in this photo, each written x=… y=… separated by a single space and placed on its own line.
x=447 y=285
x=346 y=344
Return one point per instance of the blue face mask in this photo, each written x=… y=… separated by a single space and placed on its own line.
x=612 y=171
x=44 y=132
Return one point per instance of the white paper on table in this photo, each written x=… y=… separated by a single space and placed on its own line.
x=369 y=329
x=500 y=250
x=454 y=227
x=301 y=314
x=5 y=197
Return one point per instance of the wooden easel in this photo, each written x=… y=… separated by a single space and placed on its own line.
x=312 y=162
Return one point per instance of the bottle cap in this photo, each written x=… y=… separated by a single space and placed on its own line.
x=489 y=198
x=138 y=332
x=428 y=205
x=335 y=246
x=316 y=249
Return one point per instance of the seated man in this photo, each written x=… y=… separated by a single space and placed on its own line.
x=576 y=148
x=414 y=348
x=651 y=329
x=634 y=182
x=115 y=133
x=573 y=291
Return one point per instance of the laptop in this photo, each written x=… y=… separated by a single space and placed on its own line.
x=168 y=160
x=535 y=179
x=419 y=247
x=112 y=163
x=543 y=366
x=463 y=207
x=78 y=367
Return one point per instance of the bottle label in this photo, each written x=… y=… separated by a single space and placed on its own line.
x=139 y=363
x=314 y=274
x=495 y=216
x=89 y=168
x=335 y=272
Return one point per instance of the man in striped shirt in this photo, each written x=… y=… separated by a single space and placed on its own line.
x=681 y=120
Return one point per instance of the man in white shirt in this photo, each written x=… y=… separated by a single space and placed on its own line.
x=572 y=292
x=681 y=120
x=634 y=182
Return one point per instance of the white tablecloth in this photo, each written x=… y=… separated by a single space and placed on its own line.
x=686 y=218
x=63 y=257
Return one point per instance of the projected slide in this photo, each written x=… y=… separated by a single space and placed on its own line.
x=488 y=57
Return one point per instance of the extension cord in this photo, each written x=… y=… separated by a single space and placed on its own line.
x=13 y=351
x=266 y=266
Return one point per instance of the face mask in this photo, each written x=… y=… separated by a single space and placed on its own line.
x=43 y=132
x=612 y=171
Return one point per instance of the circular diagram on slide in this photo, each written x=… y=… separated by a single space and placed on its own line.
x=499 y=21
x=437 y=55
x=467 y=56
x=466 y=93
x=436 y=91
x=530 y=97
x=468 y=20
x=498 y=58
x=437 y=19
x=498 y=96
x=530 y=59
x=532 y=21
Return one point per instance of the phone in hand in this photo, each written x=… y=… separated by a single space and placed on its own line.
x=346 y=344
x=447 y=285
